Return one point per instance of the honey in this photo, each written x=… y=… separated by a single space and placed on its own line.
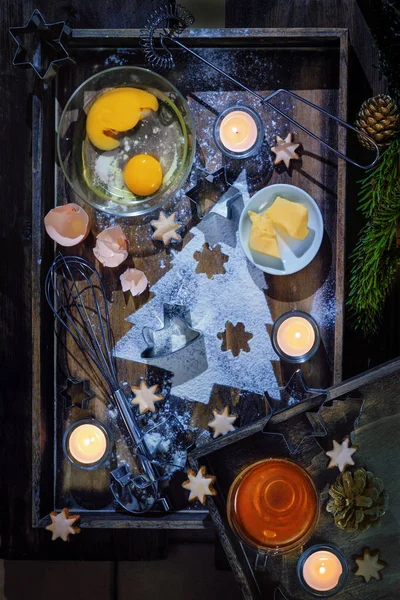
x=273 y=505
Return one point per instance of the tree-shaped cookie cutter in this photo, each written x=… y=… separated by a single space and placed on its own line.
x=175 y=335
x=41 y=46
x=220 y=192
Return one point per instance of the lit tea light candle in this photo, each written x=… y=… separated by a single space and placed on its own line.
x=87 y=444
x=238 y=132
x=295 y=336
x=322 y=570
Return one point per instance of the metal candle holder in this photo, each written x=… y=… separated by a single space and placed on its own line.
x=274 y=333
x=106 y=455
x=260 y=132
x=342 y=579
x=168 y=21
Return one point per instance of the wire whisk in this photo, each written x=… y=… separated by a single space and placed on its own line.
x=75 y=293
x=170 y=20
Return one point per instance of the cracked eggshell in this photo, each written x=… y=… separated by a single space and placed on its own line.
x=111 y=247
x=134 y=281
x=68 y=225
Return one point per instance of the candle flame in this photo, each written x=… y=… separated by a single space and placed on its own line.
x=322 y=570
x=87 y=441
x=297 y=334
x=235 y=130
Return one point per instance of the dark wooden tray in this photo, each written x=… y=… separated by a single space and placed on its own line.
x=352 y=406
x=312 y=62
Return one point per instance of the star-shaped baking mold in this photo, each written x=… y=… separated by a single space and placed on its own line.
x=62 y=525
x=369 y=565
x=165 y=228
x=199 y=484
x=212 y=193
x=341 y=454
x=222 y=422
x=77 y=393
x=285 y=150
x=146 y=397
x=41 y=46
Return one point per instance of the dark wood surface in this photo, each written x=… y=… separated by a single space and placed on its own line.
x=320 y=177
x=18 y=539
x=362 y=409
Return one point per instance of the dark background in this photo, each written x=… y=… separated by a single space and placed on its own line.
x=18 y=540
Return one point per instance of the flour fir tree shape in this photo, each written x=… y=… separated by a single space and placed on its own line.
x=236 y=296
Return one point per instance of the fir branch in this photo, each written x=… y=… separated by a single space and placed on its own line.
x=380 y=179
x=375 y=258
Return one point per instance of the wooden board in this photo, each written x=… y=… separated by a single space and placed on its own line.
x=325 y=84
x=354 y=405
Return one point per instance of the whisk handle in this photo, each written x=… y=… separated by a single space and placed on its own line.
x=133 y=428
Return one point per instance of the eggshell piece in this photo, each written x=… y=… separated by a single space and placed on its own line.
x=111 y=247
x=134 y=281
x=68 y=225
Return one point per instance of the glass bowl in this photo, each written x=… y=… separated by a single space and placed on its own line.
x=167 y=134
x=273 y=506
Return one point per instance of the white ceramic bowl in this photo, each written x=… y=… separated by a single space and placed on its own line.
x=295 y=254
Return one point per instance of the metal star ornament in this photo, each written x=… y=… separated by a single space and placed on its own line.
x=285 y=150
x=41 y=46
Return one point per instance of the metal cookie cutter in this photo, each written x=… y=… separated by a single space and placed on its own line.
x=212 y=193
x=41 y=46
x=295 y=391
x=175 y=335
x=167 y=443
x=76 y=392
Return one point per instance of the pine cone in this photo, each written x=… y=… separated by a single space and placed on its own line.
x=379 y=118
x=358 y=500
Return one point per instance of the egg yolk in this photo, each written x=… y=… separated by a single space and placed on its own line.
x=117 y=110
x=143 y=175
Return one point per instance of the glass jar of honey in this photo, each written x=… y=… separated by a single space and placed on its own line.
x=273 y=506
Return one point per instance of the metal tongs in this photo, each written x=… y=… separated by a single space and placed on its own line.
x=168 y=21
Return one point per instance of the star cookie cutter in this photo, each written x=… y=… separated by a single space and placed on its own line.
x=213 y=190
x=41 y=46
x=294 y=392
x=175 y=335
x=76 y=393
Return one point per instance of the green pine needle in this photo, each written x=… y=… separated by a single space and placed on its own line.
x=375 y=258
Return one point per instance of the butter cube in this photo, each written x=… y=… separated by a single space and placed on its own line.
x=291 y=216
x=262 y=222
x=262 y=236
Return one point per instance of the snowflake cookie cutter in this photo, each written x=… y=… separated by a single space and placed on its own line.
x=76 y=393
x=41 y=46
x=175 y=335
x=213 y=189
